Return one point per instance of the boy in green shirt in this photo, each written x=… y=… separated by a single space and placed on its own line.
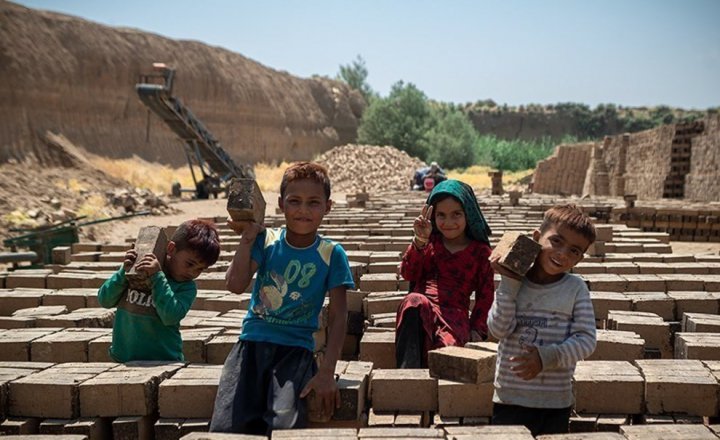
x=147 y=324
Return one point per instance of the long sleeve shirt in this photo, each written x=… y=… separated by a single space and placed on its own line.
x=147 y=324
x=558 y=319
x=448 y=279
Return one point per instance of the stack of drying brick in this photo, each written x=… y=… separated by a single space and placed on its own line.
x=649 y=304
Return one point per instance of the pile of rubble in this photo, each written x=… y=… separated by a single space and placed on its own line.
x=368 y=168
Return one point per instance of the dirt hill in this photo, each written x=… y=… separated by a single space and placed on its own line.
x=76 y=78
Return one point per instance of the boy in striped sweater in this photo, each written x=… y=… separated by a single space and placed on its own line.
x=546 y=324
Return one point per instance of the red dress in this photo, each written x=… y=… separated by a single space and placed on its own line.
x=443 y=283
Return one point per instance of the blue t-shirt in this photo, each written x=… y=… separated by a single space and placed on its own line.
x=290 y=288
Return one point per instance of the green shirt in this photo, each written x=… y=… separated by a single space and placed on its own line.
x=147 y=325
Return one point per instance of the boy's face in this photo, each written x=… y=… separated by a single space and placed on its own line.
x=184 y=265
x=304 y=206
x=562 y=249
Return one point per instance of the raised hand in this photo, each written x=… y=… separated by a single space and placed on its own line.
x=148 y=264
x=130 y=257
x=422 y=226
x=247 y=229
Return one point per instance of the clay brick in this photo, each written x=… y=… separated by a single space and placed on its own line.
x=218 y=348
x=704 y=346
x=608 y=387
x=245 y=201
x=15 y=343
x=195 y=340
x=649 y=326
x=461 y=364
x=380 y=418
x=492 y=432
x=167 y=429
x=315 y=434
x=605 y=282
x=456 y=399
x=221 y=436
x=83 y=318
x=127 y=390
x=701 y=322
x=604 y=232
x=68 y=345
x=378 y=348
x=606 y=301
x=13 y=300
x=61 y=254
x=190 y=426
x=658 y=303
x=652 y=432
x=683 y=386
x=611 y=422
x=98 y=349
x=190 y=392
x=403 y=390
x=20 y=426
x=382 y=302
x=133 y=428
x=27 y=278
x=399 y=433
x=694 y=302
x=58 y=386
x=517 y=252
x=92 y=428
x=615 y=345
x=150 y=240
x=73 y=299
x=53 y=426
x=645 y=283
x=379 y=282
x=353 y=384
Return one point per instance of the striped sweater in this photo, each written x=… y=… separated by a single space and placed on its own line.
x=558 y=319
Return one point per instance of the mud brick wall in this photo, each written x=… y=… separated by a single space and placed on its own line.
x=703 y=180
x=564 y=171
x=645 y=163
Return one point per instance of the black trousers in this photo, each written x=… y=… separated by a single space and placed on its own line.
x=409 y=341
x=537 y=420
x=260 y=388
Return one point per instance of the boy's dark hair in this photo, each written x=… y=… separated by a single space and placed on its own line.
x=572 y=216
x=199 y=236
x=306 y=170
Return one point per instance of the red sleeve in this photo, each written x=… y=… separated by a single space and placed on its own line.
x=484 y=293
x=411 y=266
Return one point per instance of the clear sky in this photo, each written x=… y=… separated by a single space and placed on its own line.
x=627 y=52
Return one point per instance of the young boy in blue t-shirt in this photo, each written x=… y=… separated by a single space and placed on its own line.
x=272 y=368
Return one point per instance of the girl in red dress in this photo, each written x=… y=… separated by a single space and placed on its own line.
x=446 y=261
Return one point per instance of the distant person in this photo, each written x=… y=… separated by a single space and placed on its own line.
x=434 y=173
x=546 y=324
x=446 y=261
x=271 y=369
x=147 y=324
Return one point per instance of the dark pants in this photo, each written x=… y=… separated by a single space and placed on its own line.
x=409 y=341
x=537 y=420
x=260 y=388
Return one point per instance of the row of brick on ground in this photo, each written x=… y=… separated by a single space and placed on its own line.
x=218 y=316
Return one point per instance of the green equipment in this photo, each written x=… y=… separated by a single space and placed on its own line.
x=41 y=241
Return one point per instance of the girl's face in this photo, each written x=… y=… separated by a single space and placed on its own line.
x=450 y=218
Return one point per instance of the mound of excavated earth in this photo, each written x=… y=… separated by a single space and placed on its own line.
x=355 y=168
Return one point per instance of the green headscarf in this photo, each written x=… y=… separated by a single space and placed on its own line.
x=477 y=226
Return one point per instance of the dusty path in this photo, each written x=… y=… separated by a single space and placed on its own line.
x=117 y=231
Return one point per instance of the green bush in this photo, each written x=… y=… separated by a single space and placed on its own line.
x=514 y=155
x=400 y=120
x=450 y=139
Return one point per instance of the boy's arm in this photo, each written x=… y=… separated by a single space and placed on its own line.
x=582 y=340
x=243 y=266
x=112 y=289
x=484 y=295
x=501 y=319
x=171 y=306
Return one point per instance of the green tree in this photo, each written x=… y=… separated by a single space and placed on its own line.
x=399 y=120
x=450 y=140
x=355 y=75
